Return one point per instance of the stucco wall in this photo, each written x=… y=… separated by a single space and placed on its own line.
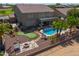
x=30 y=19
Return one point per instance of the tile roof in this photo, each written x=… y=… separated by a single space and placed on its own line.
x=33 y=8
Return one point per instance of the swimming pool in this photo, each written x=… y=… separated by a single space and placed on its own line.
x=49 y=31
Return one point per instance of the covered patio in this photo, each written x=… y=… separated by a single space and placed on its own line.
x=47 y=21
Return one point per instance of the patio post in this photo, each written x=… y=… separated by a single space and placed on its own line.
x=41 y=24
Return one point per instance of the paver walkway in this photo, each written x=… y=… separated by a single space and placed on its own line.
x=70 y=50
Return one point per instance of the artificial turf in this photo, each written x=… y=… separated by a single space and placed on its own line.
x=31 y=35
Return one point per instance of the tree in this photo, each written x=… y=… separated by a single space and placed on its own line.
x=4 y=27
x=72 y=22
x=58 y=3
x=59 y=25
x=73 y=12
x=55 y=24
x=72 y=18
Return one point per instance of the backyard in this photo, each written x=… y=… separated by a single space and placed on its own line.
x=50 y=40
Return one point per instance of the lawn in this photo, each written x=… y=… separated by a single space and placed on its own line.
x=6 y=12
x=31 y=35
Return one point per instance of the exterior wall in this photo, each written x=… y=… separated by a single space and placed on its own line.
x=28 y=20
x=31 y=19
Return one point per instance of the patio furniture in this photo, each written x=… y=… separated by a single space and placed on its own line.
x=16 y=47
x=26 y=45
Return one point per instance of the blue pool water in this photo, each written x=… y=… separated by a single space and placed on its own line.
x=49 y=31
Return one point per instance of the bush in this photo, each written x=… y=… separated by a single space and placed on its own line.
x=1 y=53
x=53 y=38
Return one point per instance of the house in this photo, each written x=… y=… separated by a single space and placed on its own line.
x=30 y=15
x=33 y=14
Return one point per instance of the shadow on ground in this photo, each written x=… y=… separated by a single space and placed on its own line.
x=68 y=43
x=76 y=39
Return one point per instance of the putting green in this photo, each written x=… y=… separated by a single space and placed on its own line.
x=31 y=35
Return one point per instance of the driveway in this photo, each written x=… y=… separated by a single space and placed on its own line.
x=69 y=50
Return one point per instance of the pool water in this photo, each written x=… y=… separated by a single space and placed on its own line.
x=49 y=31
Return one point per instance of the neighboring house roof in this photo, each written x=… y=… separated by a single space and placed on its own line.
x=63 y=10
x=33 y=8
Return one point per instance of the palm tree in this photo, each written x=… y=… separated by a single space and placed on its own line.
x=60 y=25
x=72 y=18
x=55 y=24
x=4 y=27
x=63 y=25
